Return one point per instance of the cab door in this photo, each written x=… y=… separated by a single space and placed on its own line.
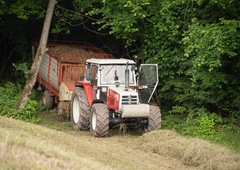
x=147 y=81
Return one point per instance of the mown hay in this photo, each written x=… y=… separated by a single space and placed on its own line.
x=191 y=151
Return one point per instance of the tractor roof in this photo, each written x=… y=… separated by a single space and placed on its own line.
x=110 y=61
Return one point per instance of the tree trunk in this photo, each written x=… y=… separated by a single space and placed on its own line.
x=38 y=57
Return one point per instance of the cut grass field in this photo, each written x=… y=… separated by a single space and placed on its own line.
x=191 y=151
x=29 y=146
x=54 y=145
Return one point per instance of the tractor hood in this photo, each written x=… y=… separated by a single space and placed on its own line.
x=128 y=103
x=129 y=97
x=121 y=91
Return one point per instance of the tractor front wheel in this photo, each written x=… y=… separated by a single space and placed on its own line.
x=154 y=119
x=80 y=110
x=99 y=120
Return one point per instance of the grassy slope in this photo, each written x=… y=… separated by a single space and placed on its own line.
x=191 y=151
x=28 y=146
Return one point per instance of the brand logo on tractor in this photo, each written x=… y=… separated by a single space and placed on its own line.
x=129 y=99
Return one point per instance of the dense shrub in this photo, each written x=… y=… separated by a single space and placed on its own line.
x=10 y=93
x=203 y=124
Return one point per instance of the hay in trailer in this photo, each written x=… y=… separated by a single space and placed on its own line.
x=77 y=54
x=70 y=54
x=191 y=151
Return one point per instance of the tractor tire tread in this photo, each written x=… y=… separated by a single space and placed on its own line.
x=102 y=124
x=84 y=106
x=154 y=120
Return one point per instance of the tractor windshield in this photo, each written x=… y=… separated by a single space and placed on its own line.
x=109 y=74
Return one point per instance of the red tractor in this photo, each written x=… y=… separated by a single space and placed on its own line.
x=114 y=91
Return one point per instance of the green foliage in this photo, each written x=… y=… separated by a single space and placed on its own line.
x=10 y=93
x=23 y=9
x=203 y=124
x=206 y=127
x=20 y=70
x=229 y=136
x=199 y=123
x=22 y=67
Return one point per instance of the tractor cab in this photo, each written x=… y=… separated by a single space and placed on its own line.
x=109 y=72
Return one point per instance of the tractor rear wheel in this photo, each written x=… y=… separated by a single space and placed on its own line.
x=154 y=119
x=99 y=120
x=47 y=99
x=80 y=110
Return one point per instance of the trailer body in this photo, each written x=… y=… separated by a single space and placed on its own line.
x=62 y=65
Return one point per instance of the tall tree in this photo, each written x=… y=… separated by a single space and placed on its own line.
x=38 y=58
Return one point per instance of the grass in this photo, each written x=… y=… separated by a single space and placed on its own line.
x=54 y=145
x=27 y=146
x=225 y=135
x=229 y=138
x=192 y=151
x=50 y=119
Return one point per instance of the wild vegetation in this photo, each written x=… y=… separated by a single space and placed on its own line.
x=10 y=93
x=195 y=43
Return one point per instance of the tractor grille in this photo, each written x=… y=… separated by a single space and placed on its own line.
x=129 y=100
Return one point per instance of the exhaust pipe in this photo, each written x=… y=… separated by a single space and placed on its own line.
x=126 y=77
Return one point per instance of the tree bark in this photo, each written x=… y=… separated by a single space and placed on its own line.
x=38 y=57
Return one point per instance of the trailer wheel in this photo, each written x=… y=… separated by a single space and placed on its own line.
x=47 y=99
x=154 y=119
x=80 y=110
x=99 y=120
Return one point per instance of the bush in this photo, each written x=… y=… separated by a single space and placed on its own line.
x=205 y=125
x=10 y=94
